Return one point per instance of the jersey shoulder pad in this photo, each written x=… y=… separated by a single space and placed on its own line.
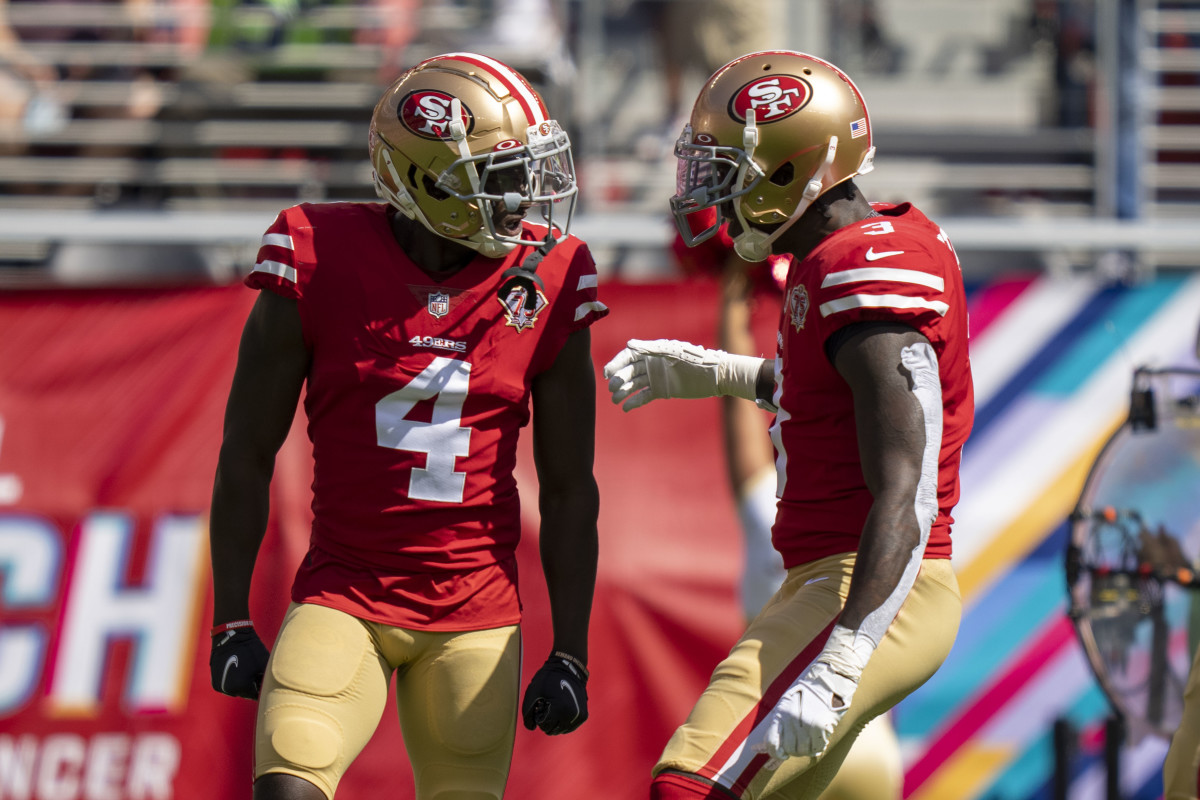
x=583 y=286
x=569 y=272
x=888 y=269
x=276 y=267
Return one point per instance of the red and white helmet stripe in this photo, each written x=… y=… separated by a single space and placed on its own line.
x=531 y=104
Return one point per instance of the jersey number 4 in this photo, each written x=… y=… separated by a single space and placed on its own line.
x=442 y=439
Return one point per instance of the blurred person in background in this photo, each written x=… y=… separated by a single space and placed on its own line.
x=693 y=39
x=873 y=769
x=871 y=389
x=393 y=25
x=420 y=329
x=23 y=77
x=114 y=43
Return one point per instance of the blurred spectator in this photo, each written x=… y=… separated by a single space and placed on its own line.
x=694 y=38
x=1074 y=26
x=251 y=31
x=532 y=33
x=183 y=23
x=859 y=20
x=26 y=83
x=391 y=26
x=60 y=88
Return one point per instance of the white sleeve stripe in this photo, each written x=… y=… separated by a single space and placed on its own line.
x=922 y=365
x=583 y=309
x=588 y=281
x=277 y=240
x=285 y=271
x=884 y=274
x=881 y=301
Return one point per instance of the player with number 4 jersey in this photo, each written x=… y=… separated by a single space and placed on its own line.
x=413 y=479
x=425 y=332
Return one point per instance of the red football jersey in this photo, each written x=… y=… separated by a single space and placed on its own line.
x=897 y=267
x=415 y=397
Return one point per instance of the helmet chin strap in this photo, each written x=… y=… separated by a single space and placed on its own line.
x=399 y=197
x=754 y=244
x=482 y=241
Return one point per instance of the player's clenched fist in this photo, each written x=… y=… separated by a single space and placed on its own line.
x=238 y=661
x=661 y=368
x=556 y=700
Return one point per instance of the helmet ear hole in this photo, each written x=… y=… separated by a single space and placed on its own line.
x=432 y=189
x=784 y=175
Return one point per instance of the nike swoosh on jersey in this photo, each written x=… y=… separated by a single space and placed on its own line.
x=873 y=256
x=816 y=580
x=232 y=661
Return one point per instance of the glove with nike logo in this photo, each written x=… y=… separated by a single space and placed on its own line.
x=556 y=700
x=238 y=661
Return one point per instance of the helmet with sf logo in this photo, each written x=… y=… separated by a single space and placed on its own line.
x=769 y=133
x=461 y=136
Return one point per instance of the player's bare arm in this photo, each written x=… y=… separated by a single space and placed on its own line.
x=891 y=441
x=564 y=414
x=271 y=368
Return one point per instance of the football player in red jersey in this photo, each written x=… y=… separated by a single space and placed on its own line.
x=421 y=330
x=873 y=768
x=871 y=389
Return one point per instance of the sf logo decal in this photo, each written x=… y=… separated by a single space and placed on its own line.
x=427 y=114
x=772 y=99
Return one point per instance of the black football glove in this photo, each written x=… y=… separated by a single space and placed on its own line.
x=556 y=700
x=237 y=663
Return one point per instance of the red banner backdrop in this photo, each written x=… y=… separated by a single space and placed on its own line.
x=110 y=420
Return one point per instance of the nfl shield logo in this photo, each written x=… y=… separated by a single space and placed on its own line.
x=439 y=304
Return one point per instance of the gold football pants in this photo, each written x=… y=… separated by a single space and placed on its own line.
x=326 y=687
x=778 y=646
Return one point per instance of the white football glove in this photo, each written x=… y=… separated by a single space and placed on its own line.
x=804 y=718
x=650 y=370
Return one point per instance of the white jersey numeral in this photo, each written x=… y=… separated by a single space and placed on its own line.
x=10 y=485
x=944 y=239
x=442 y=439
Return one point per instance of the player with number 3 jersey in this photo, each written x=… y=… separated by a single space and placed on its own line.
x=425 y=333
x=871 y=388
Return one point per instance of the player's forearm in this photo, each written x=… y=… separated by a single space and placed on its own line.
x=237 y=524
x=886 y=553
x=569 y=550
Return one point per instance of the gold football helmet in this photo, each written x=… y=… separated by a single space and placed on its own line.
x=770 y=132
x=461 y=136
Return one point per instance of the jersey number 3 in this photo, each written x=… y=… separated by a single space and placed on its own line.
x=442 y=439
